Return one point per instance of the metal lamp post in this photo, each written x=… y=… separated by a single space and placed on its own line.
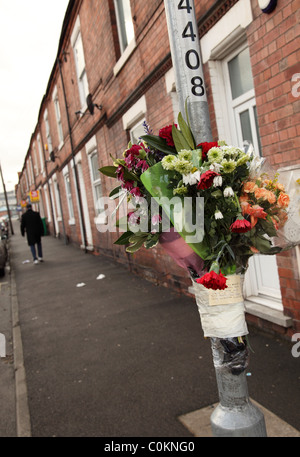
x=235 y=415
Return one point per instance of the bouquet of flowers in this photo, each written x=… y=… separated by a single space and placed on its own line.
x=243 y=206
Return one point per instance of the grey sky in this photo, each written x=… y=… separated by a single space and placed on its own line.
x=29 y=35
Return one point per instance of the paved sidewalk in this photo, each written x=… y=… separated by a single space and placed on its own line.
x=119 y=356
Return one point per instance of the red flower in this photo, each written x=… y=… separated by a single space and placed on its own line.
x=166 y=133
x=206 y=179
x=120 y=173
x=134 y=150
x=240 y=226
x=143 y=165
x=136 y=191
x=206 y=147
x=128 y=185
x=214 y=281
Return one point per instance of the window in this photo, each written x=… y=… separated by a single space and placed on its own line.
x=36 y=166
x=40 y=152
x=241 y=99
x=124 y=22
x=48 y=135
x=69 y=197
x=96 y=182
x=137 y=131
x=133 y=120
x=58 y=117
x=77 y=45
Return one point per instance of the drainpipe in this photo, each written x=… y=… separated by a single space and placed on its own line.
x=73 y=157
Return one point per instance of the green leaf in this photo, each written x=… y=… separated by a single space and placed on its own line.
x=179 y=140
x=157 y=181
x=109 y=171
x=151 y=241
x=130 y=176
x=136 y=237
x=197 y=157
x=114 y=192
x=216 y=193
x=135 y=246
x=186 y=132
x=124 y=238
x=268 y=227
x=158 y=143
x=262 y=244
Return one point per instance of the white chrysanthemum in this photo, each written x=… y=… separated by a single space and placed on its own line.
x=185 y=154
x=215 y=167
x=215 y=154
x=228 y=166
x=191 y=178
x=183 y=166
x=228 y=192
x=168 y=162
x=231 y=151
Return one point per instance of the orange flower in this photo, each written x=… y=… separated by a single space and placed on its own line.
x=271 y=197
x=254 y=250
x=245 y=206
x=279 y=186
x=256 y=212
x=249 y=187
x=244 y=198
x=283 y=200
x=260 y=192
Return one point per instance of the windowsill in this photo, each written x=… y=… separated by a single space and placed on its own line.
x=124 y=57
x=71 y=221
x=269 y=314
x=255 y=307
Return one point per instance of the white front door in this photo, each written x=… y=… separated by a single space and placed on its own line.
x=261 y=279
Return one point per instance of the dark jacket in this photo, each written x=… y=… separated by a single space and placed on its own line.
x=32 y=224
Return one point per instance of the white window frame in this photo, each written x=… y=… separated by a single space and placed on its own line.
x=242 y=103
x=67 y=182
x=46 y=190
x=31 y=169
x=58 y=118
x=57 y=198
x=122 y=26
x=127 y=50
x=91 y=151
x=40 y=152
x=48 y=132
x=135 y=115
x=36 y=163
x=82 y=78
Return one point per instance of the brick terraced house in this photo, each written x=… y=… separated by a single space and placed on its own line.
x=114 y=71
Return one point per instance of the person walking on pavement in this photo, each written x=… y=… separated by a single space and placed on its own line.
x=32 y=224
